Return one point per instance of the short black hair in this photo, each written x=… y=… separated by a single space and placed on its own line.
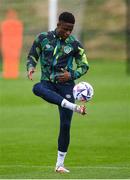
x=67 y=17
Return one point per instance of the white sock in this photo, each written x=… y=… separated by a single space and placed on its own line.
x=66 y=104
x=60 y=158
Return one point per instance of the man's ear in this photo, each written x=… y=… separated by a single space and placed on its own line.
x=58 y=24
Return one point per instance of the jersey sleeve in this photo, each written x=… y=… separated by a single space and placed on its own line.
x=82 y=65
x=35 y=52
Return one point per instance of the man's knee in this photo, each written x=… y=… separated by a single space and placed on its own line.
x=36 y=89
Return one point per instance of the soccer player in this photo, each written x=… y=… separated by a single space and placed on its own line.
x=57 y=50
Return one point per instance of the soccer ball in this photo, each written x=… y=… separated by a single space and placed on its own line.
x=83 y=91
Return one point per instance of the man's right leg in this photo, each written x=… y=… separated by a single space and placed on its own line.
x=47 y=91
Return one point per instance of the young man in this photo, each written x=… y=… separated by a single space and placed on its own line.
x=57 y=50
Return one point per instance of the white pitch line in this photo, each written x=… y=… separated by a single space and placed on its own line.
x=72 y=167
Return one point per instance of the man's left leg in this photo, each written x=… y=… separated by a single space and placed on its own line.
x=65 y=124
x=64 y=137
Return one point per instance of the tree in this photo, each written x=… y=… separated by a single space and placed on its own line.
x=128 y=35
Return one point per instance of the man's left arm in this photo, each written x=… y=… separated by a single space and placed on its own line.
x=82 y=66
x=81 y=62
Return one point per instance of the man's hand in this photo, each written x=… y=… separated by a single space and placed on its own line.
x=30 y=72
x=65 y=76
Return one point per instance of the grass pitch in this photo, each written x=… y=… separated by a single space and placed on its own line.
x=100 y=141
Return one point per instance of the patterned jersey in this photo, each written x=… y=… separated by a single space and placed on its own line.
x=56 y=54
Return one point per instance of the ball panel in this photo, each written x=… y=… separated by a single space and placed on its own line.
x=83 y=91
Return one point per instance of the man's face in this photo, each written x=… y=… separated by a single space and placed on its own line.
x=64 y=29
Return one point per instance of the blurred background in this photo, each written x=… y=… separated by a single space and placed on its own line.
x=100 y=24
x=100 y=141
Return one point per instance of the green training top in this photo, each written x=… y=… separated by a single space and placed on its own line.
x=56 y=54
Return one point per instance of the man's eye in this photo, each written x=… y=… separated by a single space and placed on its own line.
x=67 y=30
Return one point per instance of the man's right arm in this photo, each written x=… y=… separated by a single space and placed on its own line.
x=33 y=57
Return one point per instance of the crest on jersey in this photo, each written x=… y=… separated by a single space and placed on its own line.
x=48 y=46
x=67 y=49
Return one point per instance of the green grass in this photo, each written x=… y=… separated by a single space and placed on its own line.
x=100 y=141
